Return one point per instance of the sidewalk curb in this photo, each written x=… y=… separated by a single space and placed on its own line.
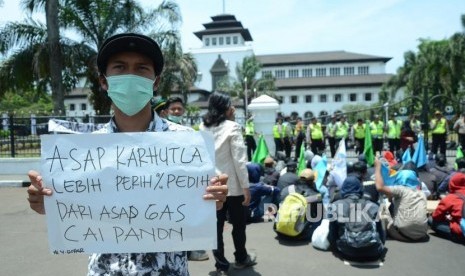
x=14 y=183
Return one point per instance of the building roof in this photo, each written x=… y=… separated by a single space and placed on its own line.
x=78 y=92
x=317 y=58
x=334 y=81
x=224 y=24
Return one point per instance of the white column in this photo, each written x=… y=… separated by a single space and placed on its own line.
x=264 y=110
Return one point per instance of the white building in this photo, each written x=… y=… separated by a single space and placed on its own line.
x=308 y=84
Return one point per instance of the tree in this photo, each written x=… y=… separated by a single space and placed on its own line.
x=92 y=21
x=246 y=73
x=435 y=74
x=55 y=58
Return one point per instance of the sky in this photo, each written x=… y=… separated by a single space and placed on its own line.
x=386 y=28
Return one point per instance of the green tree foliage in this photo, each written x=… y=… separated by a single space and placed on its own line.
x=91 y=21
x=433 y=75
x=247 y=76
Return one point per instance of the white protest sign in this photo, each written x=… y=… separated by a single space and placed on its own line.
x=129 y=192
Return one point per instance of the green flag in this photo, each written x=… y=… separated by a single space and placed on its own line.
x=459 y=153
x=261 y=152
x=302 y=163
x=368 y=151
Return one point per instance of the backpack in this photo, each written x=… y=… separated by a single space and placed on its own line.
x=291 y=218
x=462 y=220
x=360 y=236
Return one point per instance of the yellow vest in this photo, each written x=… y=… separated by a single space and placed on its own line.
x=440 y=126
x=377 y=129
x=394 y=129
x=316 y=131
x=276 y=133
x=359 y=131
x=342 y=130
x=299 y=127
x=249 y=128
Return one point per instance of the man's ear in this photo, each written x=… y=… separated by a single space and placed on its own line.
x=103 y=82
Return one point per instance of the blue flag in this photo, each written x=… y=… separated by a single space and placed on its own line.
x=388 y=178
x=419 y=156
x=320 y=170
x=406 y=157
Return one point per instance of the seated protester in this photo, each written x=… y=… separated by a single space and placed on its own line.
x=412 y=167
x=408 y=220
x=289 y=177
x=445 y=220
x=355 y=236
x=439 y=172
x=258 y=192
x=359 y=170
x=370 y=170
x=270 y=174
x=304 y=228
x=281 y=161
x=444 y=185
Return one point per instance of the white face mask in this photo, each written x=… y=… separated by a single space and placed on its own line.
x=130 y=93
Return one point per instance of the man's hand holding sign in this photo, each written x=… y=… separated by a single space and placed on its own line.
x=121 y=193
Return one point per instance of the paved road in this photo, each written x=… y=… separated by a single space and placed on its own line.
x=24 y=251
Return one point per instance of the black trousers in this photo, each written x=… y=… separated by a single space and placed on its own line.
x=360 y=145
x=377 y=145
x=251 y=146
x=439 y=141
x=332 y=145
x=287 y=146
x=317 y=146
x=237 y=217
x=394 y=145
x=278 y=143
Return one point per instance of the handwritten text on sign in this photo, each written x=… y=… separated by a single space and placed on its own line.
x=129 y=192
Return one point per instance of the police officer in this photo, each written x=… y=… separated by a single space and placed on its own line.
x=359 y=136
x=249 y=137
x=278 y=135
x=299 y=133
x=377 y=133
x=331 y=135
x=342 y=131
x=393 y=133
x=315 y=136
x=439 y=133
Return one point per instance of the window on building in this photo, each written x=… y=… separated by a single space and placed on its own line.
x=214 y=41
x=363 y=70
x=323 y=98
x=280 y=99
x=307 y=73
x=352 y=97
x=320 y=72
x=308 y=98
x=221 y=40
x=83 y=106
x=308 y=115
x=293 y=73
x=349 y=71
x=294 y=99
x=338 y=98
x=228 y=40
x=266 y=74
x=280 y=74
x=335 y=71
x=368 y=97
x=72 y=107
x=207 y=41
x=235 y=40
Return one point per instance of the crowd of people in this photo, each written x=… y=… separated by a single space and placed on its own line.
x=301 y=200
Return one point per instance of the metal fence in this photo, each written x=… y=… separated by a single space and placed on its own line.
x=20 y=135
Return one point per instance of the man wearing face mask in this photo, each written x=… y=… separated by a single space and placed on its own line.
x=130 y=66
x=175 y=108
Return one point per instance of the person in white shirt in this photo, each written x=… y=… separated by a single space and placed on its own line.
x=231 y=159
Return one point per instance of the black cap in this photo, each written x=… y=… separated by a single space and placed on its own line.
x=130 y=42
